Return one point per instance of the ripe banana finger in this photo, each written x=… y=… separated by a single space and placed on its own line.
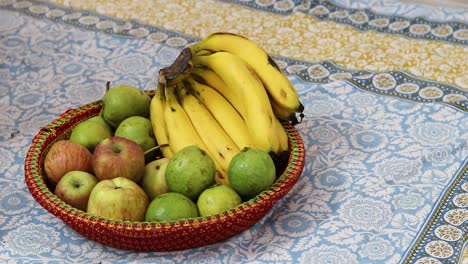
x=282 y=136
x=275 y=81
x=220 y=146
x=180 y=130
x=249 y=93
x=158 y=121
x=210 y=78
x=224 y=113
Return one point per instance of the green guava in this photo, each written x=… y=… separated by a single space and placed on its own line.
x=251 y=171
x=122 y=101
x=171 y=206
x=190 y=171
x=138 y=129
x=217 y=199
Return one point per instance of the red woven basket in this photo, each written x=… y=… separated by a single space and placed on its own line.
x=151 y=236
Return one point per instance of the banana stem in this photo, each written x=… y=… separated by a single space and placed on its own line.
x=181 y=68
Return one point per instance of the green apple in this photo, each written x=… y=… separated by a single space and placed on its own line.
x=118 y=199
x=171 y=206
x=217 y=199
x=138 y=129
x=190 y=171
x=89 y=133
x=122 y=101
x=75 y=187
x=154 y=179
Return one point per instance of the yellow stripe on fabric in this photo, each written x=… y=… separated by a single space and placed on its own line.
x=297 y=36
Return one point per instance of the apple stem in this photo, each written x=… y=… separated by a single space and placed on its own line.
x=107 y=86
x=155 y=148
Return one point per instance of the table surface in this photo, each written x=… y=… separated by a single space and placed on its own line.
x=385 y=89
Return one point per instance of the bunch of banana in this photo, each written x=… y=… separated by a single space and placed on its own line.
x=280 y=90
x=223 y=94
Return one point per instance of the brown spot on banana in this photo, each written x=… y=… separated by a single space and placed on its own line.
x=252 y=71
x=220 y=178
x=283 y=93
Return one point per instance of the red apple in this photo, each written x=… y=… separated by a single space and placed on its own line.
x=118 y=199
x=118 y=157
x=75 y=187
x=65 y=156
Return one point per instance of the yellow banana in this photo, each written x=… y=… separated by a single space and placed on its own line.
x=224 y=113
x=210 y=78
x=285 y=115
x=158 y=121
x=219 y=145
x=281 y=113
x=180 y=130
x=280 y=133
x=275 y=81
x=211 y=133
x=204 y=52
x=242 y=80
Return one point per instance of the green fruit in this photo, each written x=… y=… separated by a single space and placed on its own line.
x=251 y=171
x=171 y=206
x=99 y=119
x=217 y=199
x=122 y=101
x=138 y=129
x=154 y=179
x=190 y=171
x=89 y=134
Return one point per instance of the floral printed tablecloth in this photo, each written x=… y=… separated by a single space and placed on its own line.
x=385 y=88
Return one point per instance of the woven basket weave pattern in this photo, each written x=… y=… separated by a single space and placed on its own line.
x=151 y=236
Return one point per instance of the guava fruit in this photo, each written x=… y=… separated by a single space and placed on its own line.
x=138 y=129
x=171 y=206
x=251 y=171
x=190 y=171
x=154 y=179
x=217 y=199
x=90 y=133
x=122 y=101
x=99 y=119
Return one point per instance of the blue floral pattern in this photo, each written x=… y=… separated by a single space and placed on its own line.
x=399 y=170
x=377 y=249
x=329 y=254
x=365 y=213
x=385 y=179
x=31 y=239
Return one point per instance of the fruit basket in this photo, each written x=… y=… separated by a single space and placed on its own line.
x=151 y=236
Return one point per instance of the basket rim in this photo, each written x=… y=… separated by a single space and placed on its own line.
x=35 y=178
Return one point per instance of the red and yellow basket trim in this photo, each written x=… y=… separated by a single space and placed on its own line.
x=148 y=236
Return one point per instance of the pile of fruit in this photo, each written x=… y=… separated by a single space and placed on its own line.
x=209 y=138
